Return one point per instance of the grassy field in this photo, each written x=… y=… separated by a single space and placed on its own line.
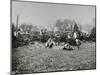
x=36 y=58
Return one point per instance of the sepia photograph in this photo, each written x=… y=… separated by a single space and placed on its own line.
x=52 y=37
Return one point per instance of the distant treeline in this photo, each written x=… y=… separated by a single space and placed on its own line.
x=24 y=34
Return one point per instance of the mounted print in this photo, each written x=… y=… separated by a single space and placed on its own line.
x=52 y=37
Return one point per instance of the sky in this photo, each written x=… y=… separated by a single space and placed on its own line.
x=46 y=14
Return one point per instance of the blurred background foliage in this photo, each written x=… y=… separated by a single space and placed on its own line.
x=24 y=34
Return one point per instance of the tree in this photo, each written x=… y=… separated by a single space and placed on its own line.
x=26 y=28
x=76 y=28
x=65 y=25
x=93 y=34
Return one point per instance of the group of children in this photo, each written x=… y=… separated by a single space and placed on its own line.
x=50 y=43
